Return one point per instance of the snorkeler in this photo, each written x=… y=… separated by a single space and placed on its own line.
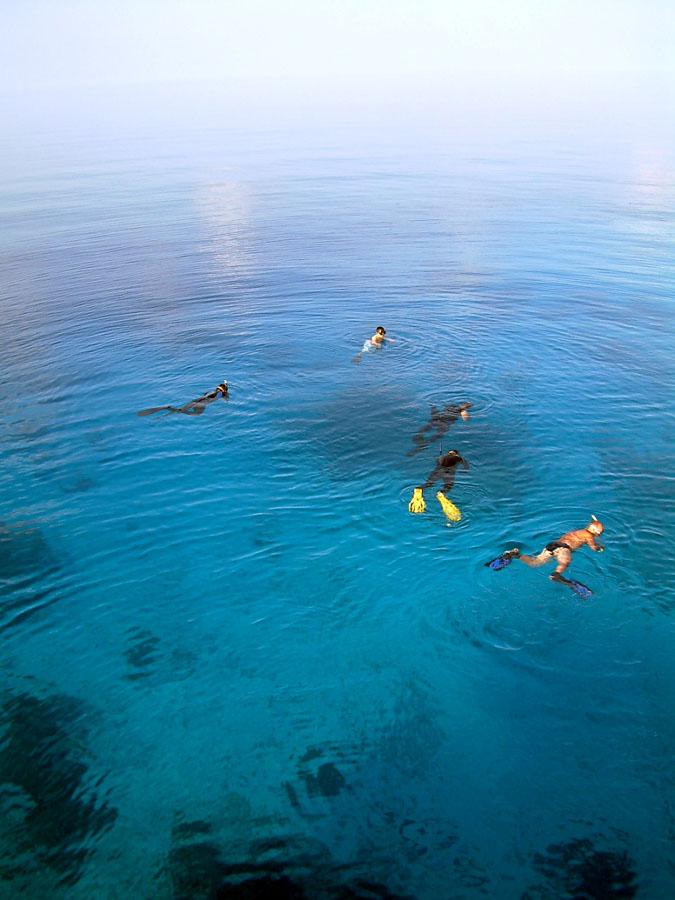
x=438 y=425
x=444 y=471
x=373 y=343
x=194 y=407
x=561 y=552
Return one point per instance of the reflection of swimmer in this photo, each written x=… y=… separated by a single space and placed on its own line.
x=373 y=343
x=438 y=425
x=561 y=552
x=194 y=407
x=444 y=471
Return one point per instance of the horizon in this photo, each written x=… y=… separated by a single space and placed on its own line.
x=524 y=52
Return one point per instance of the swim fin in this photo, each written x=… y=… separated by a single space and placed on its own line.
x=153 y=409
x=417 y=503
x=448 y=507
x=580 y=589
x=500 y=562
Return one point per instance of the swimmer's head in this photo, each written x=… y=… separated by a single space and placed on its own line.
x=595 y=526
x=380 y=330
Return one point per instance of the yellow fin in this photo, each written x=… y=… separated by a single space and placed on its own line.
x=417 y=504
x=448 y=507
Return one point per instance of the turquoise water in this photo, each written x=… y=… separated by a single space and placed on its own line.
x=230 y=656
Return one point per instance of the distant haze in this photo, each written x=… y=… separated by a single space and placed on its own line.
x=354 y=55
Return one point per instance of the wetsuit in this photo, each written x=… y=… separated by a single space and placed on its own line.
x=445 y=471
x=438 y=425
x=194 y=407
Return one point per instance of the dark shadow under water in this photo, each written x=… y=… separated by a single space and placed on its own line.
x=51 y=810
x=276 y=869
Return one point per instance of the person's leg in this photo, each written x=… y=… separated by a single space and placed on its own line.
x=433 y=478
x=556 y=576
x=534 y=561
x=448 y=480
x=191 y=409
x=156 y=409
x=422 y=440
x=419 y=436
x=563 y=558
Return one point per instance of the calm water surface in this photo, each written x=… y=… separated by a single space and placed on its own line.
x=229 y=653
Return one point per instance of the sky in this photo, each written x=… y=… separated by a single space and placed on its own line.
x=358 y=53
x=76 y=43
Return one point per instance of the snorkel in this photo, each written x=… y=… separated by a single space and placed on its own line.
x=595 y=526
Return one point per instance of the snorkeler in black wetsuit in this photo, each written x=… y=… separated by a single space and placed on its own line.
x=445 y=471
x=194 y=407
x=438 y=425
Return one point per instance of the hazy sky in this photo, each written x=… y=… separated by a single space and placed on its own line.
x=323 y=45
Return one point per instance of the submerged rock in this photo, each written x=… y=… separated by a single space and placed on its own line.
x=266 y=888
x=277 y=868
x=141 y=653
x=41 y=760
x=578 y=871
x=24 y=556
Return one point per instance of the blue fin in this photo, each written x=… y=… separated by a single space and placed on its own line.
x=580 y=589
x=499 y=562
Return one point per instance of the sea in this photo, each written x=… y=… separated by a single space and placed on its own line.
x=233 y=664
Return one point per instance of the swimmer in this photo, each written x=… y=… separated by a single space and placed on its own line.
x=194 y=407
x=444 y=471
x=438 y=425
x=560 y=552
x=373 y=343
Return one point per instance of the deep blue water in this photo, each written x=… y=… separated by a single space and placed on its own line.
x=228 y=650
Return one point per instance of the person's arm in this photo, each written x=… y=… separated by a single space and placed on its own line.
x=466 y=464
x=590 y=540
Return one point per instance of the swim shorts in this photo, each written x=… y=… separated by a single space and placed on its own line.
x=557 y=545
